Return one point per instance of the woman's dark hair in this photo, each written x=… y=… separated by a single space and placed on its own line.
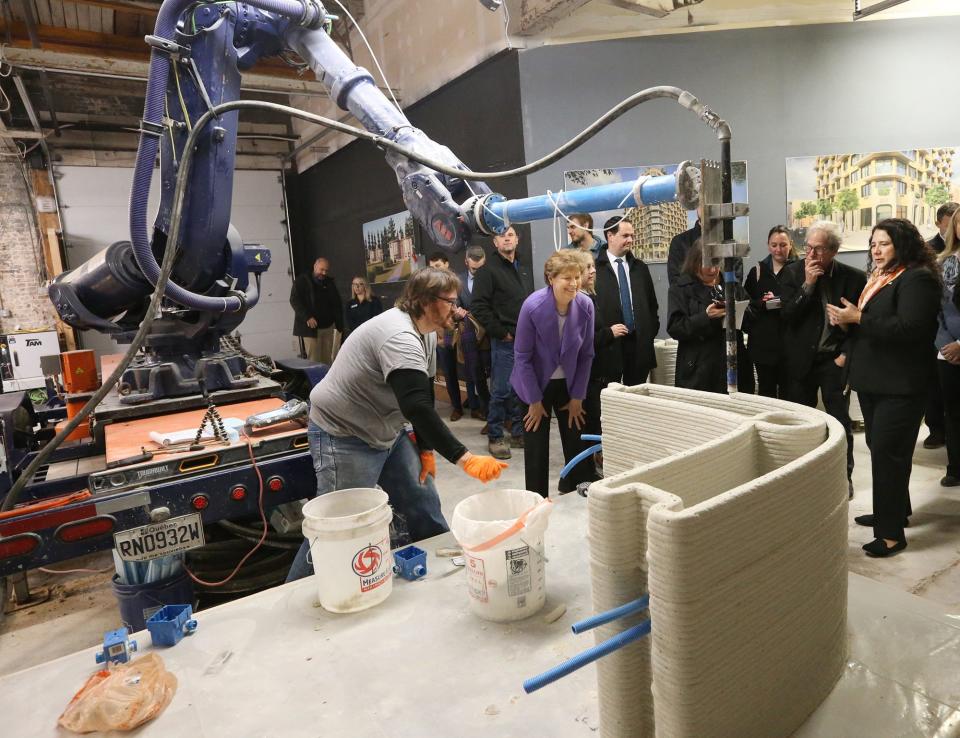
x=909 y=248
x=693 y=260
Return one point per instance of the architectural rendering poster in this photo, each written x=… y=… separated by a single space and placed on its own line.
x=391 y=250
x=654 y=225
x=856 y=191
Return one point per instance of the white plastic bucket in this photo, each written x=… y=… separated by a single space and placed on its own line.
x=501 y=533
x=349 y=536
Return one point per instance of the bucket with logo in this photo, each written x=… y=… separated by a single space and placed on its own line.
x=349 y=536
x=501 y=533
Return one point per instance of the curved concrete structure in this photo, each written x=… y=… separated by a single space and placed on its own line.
x=732 y=513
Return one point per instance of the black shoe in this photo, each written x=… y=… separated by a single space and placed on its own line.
x=867 y=521
x=934 y=440
x=950 y=481
x=878 y=549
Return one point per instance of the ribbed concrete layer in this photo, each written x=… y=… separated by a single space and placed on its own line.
x=618 y=574
x=639 y=429
x=666 y=369
x=744 y=526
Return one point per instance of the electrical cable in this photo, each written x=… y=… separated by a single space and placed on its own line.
x=263 y=536
x=75 y=571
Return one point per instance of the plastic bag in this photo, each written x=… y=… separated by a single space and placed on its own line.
x=121 y=698
x=489 y=518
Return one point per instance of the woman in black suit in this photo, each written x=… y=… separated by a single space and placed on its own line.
x=766 y=333
x=889 y=365
x=363 y=304
x=695 y=319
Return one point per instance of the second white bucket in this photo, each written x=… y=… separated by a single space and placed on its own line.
x=501 y=533
x=349 y=536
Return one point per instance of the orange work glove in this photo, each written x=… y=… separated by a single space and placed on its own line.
x=484 y=468
x=428 y=465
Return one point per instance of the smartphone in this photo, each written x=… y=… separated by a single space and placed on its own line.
x=773 y=303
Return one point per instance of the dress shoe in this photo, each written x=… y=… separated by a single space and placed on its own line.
x=499 y=448
x=950 y=481
x=516 y=441
x=478 y=415
x=456 y=415
x=485 y=430
x=934 y=440
x=878 y=549
x=867 y=521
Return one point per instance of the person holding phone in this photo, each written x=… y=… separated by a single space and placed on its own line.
x=764 y=325
x=695 y=318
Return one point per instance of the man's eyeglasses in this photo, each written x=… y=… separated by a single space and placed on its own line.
x=452 y=301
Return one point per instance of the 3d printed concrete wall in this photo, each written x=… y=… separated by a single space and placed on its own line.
x=732 y=513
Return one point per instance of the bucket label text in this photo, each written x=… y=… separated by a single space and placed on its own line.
x=476 y=579
x=519 y=580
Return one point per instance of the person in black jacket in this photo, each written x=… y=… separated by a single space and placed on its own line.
x=766 y=332
x=934 y=414
x=318 y=312
x=815 y=349
x=892 y=326
x=362 y=306
x=499 y=289
x=627 y=311
x=695 y=319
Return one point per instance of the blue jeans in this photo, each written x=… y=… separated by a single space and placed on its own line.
x=346 y=462
x=504 y=403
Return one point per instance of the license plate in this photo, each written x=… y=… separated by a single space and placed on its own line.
x=160 y=539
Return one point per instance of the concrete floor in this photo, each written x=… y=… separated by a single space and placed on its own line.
x=81 y=606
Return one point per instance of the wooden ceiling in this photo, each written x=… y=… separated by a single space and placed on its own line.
x=79 y=71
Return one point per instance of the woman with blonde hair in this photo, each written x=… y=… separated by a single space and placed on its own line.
x=948 y=350
x=553 y=352
x=363 y=304
x=763 y=320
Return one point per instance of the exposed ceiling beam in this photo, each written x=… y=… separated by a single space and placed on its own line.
x=122 y=47
x=137 y=7
x=26 y=8
x=83 y=62
x=19 y=133
x=537 y=16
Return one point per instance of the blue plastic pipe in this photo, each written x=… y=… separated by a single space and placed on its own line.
x=585 y=454
x=587 y=657
x=616 y=613
x=587 y=200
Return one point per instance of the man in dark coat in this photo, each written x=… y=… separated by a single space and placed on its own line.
x=816 y=351
x=499 y=289
x=627 y=313
x=318 y=312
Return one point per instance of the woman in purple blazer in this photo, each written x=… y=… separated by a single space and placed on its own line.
x=553 y=351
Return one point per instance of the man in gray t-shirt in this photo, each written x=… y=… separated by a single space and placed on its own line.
x=380 y=382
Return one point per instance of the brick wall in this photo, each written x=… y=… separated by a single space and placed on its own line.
x=21 y=260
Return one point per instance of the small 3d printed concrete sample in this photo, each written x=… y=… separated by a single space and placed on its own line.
x=731 y=511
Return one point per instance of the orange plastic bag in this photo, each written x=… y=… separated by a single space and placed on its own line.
x=121 y=698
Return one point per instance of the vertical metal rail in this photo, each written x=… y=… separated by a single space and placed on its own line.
x=730 y=281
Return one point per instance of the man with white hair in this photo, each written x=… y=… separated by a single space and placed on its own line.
x=816 y=351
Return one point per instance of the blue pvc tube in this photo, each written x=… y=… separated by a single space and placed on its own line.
x=587 y=657
x=590 y=437
x=580 y=457
x=610 y=615
x=588 y=200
